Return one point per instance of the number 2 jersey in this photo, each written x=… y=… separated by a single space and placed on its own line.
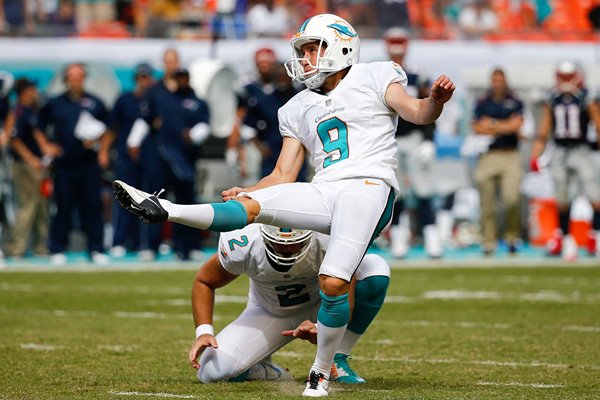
x=280 y=293
x=349 y=131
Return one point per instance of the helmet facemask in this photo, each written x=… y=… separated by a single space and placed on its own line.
x=338 y=48
x=569 y=77
x=285 y=247
x=318 y=72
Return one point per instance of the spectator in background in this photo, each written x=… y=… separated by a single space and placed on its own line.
x=499 y=116
x=477 y=19
x=229 y=19
x=267 y=19
x=126 y=111
x=393 y=13
x=89 y=12
x=62 y=21
x=28 y=171
x=75 y=120
x=565 y=118
x=16 y=18
x=416 y=153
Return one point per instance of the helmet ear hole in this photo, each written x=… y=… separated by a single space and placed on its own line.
x=345 y=51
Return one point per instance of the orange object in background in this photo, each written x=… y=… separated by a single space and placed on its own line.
x=543 y=220
x=580 y=231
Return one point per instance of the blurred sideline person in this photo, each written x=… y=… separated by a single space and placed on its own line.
x=253 y=96
x=345 y=119
x=565 y=119
x=283 y=266
x=127 y=109
x=415 y=161
x=76 y=121
x=28 y=170
x=174 y=118
x=6 y=122
x=499 y=116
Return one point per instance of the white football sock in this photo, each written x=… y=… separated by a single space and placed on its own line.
x=348 y=342
x=195 y=215
x=328 y=340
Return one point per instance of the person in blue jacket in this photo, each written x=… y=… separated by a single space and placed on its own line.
x=76 y=121
x=174 y=120
x=125 y=112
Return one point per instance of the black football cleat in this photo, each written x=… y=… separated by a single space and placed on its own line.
x=145 y=205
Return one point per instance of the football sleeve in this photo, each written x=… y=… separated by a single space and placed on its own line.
x=233 y=252
x=287 y=125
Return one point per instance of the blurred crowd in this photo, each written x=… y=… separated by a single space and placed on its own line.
x=239 y=19
x=60 y=155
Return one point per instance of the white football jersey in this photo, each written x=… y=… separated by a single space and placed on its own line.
x=350 y=131
x=280 y=293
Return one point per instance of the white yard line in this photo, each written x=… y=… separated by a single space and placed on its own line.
x=493 y=363
x=40 y=347
x=171 y=395
x=219 y=298
x=117 y=314
x=519 y=384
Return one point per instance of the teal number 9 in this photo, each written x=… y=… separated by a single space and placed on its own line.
x=337 y=146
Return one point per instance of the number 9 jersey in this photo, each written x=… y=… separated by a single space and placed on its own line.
x=280 y=293
x=350 y=131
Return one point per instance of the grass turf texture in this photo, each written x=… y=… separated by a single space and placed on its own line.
x=526 y=333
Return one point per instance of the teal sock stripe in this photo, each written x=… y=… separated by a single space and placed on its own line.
x=229 y=216
x=334 y=311
x=369 y=295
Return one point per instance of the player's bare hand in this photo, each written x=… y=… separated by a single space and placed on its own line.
x=52 y=150
x=231 y=193
x=307 y=330
x=442 y=89
x=203 y=342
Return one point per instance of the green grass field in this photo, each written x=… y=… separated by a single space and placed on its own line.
x=489 y=333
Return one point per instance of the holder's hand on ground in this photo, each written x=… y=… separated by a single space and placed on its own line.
x=307 y=330
x=442 y=89
x=199 y=346
x=231 y=193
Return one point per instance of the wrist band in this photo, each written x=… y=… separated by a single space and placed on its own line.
x=204 y=329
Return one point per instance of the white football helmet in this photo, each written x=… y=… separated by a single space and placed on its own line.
x=285 y=247
x=569 y=77
x=341 y=49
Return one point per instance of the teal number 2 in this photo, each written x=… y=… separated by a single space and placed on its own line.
x=242 y=242
x=337 y=146
x=291 y=295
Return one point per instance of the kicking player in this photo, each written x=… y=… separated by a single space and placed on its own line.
x=345 y=119
x=282 y=265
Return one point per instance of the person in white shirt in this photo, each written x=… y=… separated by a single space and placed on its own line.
x=283 y=266
x=345 y=120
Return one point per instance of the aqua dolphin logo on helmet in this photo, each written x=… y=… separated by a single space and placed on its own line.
x=338 y=48
x=343 y=30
